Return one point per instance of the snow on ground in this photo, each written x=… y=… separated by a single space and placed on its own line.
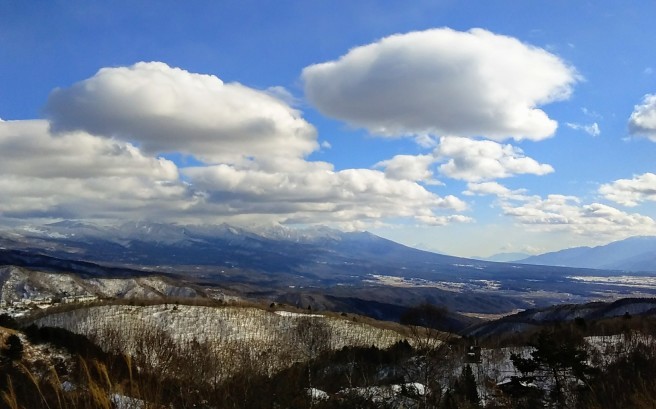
x=23 y=289
x=412 y=282
x=297 y=314
x=624 y=280
x=126 y=402
x=219 y=328
x=386 y=393
x=317 y=394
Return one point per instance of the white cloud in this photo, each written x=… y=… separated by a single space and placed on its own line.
x=426 y=141
x=444 y=220
x=95 y=160
x=77 y=175
x=168 y=109
x=441 y=81
x=592 y=129
x=465 y=159
x=476 y=160
x=283 y=94
x=315 y=193
x=80 y=175
x=643 y=118
x=630 y=192
x=28 y=149
x=590 y=113
x=567 y=214
x=121 y=198
x=408 y=167
x=495 y=189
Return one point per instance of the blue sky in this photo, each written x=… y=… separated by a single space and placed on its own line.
x=469 y=128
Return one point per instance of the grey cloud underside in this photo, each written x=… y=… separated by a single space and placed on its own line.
x=31 y=151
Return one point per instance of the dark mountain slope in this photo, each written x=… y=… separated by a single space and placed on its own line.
x=535 y=318
x=632 y=254
x=53 y=264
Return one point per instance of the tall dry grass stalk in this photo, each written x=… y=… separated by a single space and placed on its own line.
x=9 y=396
x=35 y=382
x=56 y=385
x=98 y=396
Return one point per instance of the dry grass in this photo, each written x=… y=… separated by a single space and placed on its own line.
x=9 y=396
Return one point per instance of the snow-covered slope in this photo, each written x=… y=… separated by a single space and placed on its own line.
x=224 y=324
x=19 y=284
x=225 y=333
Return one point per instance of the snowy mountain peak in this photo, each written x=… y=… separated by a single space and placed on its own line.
x=153 y=232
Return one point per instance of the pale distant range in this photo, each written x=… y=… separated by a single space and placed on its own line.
x=317 y=268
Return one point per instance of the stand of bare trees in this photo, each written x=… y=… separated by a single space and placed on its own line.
x=261 y=359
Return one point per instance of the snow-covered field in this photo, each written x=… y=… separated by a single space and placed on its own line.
x=624 y=280
x=409 y=282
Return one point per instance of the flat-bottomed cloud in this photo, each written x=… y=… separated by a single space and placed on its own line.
x=442 y=81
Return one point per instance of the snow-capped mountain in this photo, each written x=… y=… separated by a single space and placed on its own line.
x=317 y=266
x=172 y=233
x=272 y=248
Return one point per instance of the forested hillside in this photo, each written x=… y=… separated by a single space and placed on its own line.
x=154 y=355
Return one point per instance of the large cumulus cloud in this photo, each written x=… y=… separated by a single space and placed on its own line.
x=77 y=175
x=99 y=156
x=442 y=81
x=168 y=109
x=343 y=197
x=27 y=148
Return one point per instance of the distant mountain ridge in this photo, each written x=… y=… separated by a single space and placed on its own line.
x=632 y=254
x=274 y=249
x=317 y=266
x=504 y=257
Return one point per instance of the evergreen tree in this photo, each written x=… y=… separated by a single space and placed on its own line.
x=468 y=385
x=559 y=355
x=13 y=348
x=464 y=389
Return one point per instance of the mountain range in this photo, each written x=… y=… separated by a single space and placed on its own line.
x=315 y=267
x=632 y=254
